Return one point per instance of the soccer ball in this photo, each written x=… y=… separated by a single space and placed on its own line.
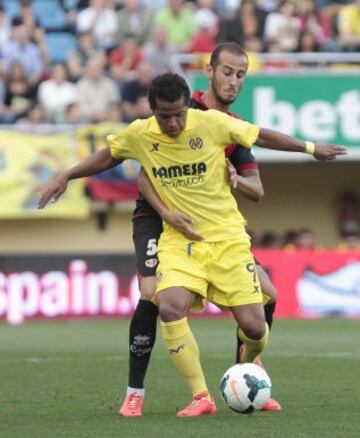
x=245 y=388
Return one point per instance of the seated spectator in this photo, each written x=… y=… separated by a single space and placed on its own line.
x=269 y=239
x=34 y=116
x=134 y=94
x=78 y=57
x=35 y=31
x=207 y=24
x=283 y=26
x=274 y=47
x=125 y=59
x=349 y=26
x=5 y=27
x=317 y=22
x=101 y=21
x=73 y=115
x=305 y=239
x=96 y=92
x=158 y=51
x=132 y=19
x=19 y=94
x=20 y=48
x=56 y=94
x=308 y=43
x=253 y=46
x=350 y=241
x=177 y=19
x=248 y=22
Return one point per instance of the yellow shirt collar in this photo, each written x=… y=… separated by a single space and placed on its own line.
x=190 y=123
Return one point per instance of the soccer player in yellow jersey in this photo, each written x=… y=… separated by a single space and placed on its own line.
x=182 y=151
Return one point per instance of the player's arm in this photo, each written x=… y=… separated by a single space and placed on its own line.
x=95 y=163
x=176 y=219
x=246 y=181
x=270 y=139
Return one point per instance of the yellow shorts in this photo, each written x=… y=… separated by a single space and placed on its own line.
x=224 y=272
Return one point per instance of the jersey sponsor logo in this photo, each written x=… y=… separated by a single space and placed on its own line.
x=155 y=147
x=176 y=171
x=151 y=263
x=195 y=143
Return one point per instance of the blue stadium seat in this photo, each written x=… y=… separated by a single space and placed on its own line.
x=49 y=13
x=59 y=45
x=12 y=7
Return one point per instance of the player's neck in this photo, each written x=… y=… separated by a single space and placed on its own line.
x=211 y=102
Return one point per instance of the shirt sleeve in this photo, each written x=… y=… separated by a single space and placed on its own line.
x=122 y=145
x=242 y=158
x=229 y=130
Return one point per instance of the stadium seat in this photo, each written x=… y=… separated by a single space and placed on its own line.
x=59 y=45
x=12 y=7
x=49 y=13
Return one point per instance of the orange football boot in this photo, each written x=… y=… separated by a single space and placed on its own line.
x=200 y=405
x=132 y=406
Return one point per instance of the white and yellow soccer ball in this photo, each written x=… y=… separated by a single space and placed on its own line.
x=245 y=388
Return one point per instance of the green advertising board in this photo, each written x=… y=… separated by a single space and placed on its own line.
x=322 y=108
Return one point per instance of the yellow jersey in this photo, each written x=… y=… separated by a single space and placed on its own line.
x=189 y=172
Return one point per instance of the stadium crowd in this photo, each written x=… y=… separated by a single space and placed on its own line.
x=81 y=61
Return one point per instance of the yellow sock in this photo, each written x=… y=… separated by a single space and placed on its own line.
x=252 y=347
x=184 y=351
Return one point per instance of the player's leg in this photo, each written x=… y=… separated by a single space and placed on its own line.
x=269 y=300
x=174 y=304
x=253 y=329
x=142 y=331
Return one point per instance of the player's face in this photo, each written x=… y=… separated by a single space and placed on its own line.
x=171 y=116
x=227 y=77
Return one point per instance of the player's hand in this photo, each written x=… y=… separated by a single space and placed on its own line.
x=232 y=175
x=328 y=152
x=182 y=223
x=53 y=190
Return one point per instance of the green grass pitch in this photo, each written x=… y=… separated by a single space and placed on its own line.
x=66 y=379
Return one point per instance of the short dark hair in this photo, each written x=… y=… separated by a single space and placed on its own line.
x=233 y=48
x=168 y=87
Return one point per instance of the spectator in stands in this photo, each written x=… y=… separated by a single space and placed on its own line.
x=101 y=21
x=269 y=239
x=133 y=19
x=177 y=19
x=158 y=51
x=34 y=116
x=96 y=91
x=78 y=57
x=349 y=26
x=73 y=115
x=317 y=22
x=350 y=240
x=5 y=27
x=125 y=59
x=19 y=94
x=247 y=23
x=134 y=94
x=305 y=239
x=35 y=31
x=308 y=43
x=283 y=26
x=56 y=94
x=203 y=41
x=274 y=47
x=20 y=48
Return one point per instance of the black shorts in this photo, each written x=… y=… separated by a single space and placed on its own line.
x=146 y=234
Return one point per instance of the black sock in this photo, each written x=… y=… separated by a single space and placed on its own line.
x=142 y=335
x=269 y=314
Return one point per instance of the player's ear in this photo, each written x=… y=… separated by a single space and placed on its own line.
x=209 y=71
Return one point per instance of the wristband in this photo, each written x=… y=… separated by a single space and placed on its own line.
x=309 y=147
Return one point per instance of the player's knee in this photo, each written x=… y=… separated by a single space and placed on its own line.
x=169 y=312
x=254 y=329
